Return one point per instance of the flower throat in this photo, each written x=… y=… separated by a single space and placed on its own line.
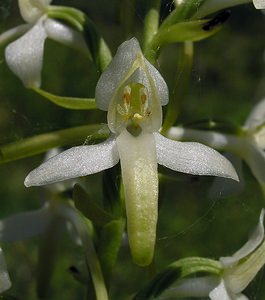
x=133 y=108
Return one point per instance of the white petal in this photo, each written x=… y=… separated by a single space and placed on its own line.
x=30 y=12
x=116 y=72
x=257 y=115
x=224 y=187
x=11 y=34
x=128 y=58
x=140 y=180
x=192 y=158
x=75 y=162
x=259 y=4
x=253 y=156
x=5 y=283
x=25 y=225
x=25 y=55
x=191 y=287
x=63 y=185
x=65 y=35
x=220 y=293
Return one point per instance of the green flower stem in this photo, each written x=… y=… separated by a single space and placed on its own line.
x=47 y=255
x=112 y=198
x=43 y=142
x=110 y=230
x=110 y=240
x=83 y=228
x=72 y=15
x=178 y=270
x=67 y=102
x=100 y=51
x=181 y=84
x=90 y=208
x=104 y=55
x=151 y=22
x=193 y=265
x=182 y=12
x=181 y=32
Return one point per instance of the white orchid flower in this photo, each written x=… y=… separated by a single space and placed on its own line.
x=5 y=282
x=24 y=56
x=238 y=271
x=249 y=145
x=133 y=92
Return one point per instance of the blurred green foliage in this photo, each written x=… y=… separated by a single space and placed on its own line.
x=228 y=78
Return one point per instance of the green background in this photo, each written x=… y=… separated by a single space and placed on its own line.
x=228 y=78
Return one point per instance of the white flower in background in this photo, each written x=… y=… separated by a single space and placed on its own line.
x=5 y=282
x=24 y=56
x=133 y=92
x=249 y=145
x=212 y=6
x=54 y=212
x=238 y=271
